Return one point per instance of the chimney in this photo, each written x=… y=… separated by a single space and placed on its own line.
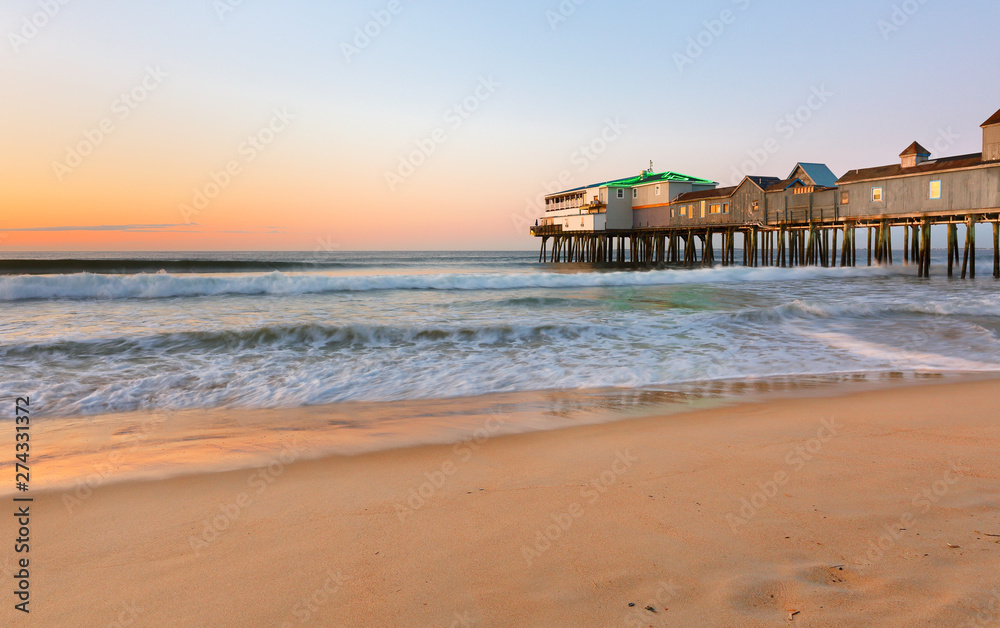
x=914 y=155
x=991 y=138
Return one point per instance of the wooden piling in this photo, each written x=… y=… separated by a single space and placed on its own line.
x=996 y=250
x=972 y=246
x=965 y=257
x=926 y=247
x=888 y=243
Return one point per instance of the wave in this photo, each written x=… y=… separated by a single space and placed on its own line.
x=112 y=266
x=309 y=337
x=163 y=285
x=802 y=310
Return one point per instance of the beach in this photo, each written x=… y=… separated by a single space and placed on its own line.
x=871 y=507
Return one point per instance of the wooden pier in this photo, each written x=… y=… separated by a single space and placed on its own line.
x=832 y=243
x=809 y=218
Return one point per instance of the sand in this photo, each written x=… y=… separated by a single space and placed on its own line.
x=870 y=509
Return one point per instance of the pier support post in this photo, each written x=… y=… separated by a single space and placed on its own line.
x=968 y=242
x=888 y=243
x=854 y=246
x=906 y=245
x=952 y=248
x=926 y=267
x=996 y=250
x=972 y=246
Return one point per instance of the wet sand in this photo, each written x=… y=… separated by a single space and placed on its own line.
x=871 y=508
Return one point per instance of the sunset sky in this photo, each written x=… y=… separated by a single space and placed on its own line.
x=244 y=125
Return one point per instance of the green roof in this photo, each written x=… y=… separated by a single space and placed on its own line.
x=645 y=179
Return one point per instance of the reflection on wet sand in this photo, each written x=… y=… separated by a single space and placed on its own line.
x=89 y=452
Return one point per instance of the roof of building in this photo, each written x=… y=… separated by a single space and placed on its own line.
x=764 y=182
x=760 y=182
x=783 y=185
x=819 y=173
x=706 y=194
x=897 y=170
x=994 y=120
x=646 y=178
x=915 y=149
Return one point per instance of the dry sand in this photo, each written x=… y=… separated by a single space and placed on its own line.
x=872 y=509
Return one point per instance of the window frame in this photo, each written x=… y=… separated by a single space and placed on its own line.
x=940 y=190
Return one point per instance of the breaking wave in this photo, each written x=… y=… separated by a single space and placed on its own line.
x=163 y=285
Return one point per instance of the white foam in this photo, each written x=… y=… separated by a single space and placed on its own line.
x=161 y=285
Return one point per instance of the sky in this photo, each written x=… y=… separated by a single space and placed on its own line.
x=396 y=124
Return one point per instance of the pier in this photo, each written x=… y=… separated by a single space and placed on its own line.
x=810 y=218
x=785 y=245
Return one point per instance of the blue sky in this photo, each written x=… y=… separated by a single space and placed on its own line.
x=889 y=73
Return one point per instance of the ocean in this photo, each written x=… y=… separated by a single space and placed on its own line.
x=90 y=334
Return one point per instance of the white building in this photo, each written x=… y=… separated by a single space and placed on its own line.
x=609 y=205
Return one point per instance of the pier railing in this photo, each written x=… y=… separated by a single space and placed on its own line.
x=546 y=230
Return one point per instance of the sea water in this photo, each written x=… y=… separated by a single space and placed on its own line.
x=88 y=334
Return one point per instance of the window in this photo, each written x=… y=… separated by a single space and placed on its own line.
x=657 y=190
x=671 y=212
x=876 y=195
x=935 y=190
x=715 y=209
x=754 y=206
x=845 y=198
x=635 y=193
x=725 y=208
x=621 y=193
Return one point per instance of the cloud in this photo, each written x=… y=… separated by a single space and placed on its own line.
x=122 y=228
